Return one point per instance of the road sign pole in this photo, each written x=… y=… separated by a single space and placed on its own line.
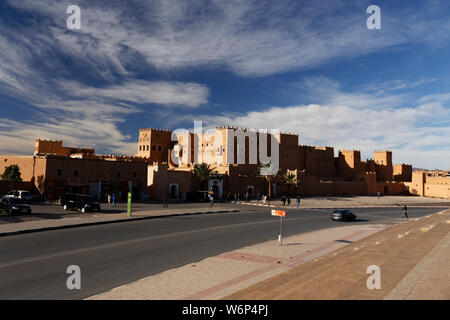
x=281 y=230
x=281 y=214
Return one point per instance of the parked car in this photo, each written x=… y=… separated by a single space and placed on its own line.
x=20 y=194
x=81 y=202
x=14 y=206
x=343 y=215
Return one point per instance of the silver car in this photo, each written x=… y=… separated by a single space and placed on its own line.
x=20 y=194
x=343 y=215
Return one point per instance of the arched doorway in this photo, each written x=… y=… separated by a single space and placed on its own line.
x=173 y=191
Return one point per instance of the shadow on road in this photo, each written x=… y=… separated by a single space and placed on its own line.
x=344 y=241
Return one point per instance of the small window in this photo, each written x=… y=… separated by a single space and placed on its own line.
x=118 y=174
x=59 y=172
x=159 y=148
x=140 y=148
x=75 y=173
x=154 y=148
x=134 y=174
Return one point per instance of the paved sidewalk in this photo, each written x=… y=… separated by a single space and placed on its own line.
x=324 y=264
x=413 y=258
x=355 y=202
x=216 y=277
x=430 y=279
x=100 y=218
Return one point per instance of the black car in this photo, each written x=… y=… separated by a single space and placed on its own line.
x=14 y=206
x=81 y=202
x=343 y=215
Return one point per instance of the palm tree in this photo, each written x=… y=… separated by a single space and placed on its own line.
x=205 y=172
x=290 y=179
x=268 y=172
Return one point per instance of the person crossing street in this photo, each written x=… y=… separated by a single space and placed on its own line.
x=405 y=211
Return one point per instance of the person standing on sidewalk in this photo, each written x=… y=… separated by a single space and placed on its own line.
x=298 y=201
x=109 y=199
x=211 y=200
x=164 y=200
x=113 y=199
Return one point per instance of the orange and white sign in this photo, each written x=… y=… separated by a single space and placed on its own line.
x=279 y=213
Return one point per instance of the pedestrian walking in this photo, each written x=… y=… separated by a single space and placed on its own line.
x=246 y=197
x=109 y=199
x=378 y=194
x=298 y=201
x=288 y=201
x=264 y=198
x=283 y=200
x=405 y=211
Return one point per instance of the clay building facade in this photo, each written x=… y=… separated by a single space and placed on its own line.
x=430 y=184
x=319 y=171
x=54 y=170
x=234 y=153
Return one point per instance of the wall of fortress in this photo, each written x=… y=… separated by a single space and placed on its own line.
x=429 y=186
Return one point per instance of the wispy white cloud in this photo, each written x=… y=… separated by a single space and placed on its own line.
x=248 y=37
x=325 y=91
x=144 y=92
x=17 y=137
x=65 y=103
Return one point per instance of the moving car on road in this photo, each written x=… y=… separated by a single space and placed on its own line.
x=81 y=202
x=20 y=194
x=14 y=206
x=343 y=215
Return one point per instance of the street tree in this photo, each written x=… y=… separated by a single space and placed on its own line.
x=11 y=174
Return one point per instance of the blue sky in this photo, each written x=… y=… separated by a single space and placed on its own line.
x=310 y=67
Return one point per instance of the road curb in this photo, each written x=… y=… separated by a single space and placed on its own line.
x=86 y=224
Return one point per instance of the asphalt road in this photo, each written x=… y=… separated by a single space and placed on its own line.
x=49 y=211
x=33 y=266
